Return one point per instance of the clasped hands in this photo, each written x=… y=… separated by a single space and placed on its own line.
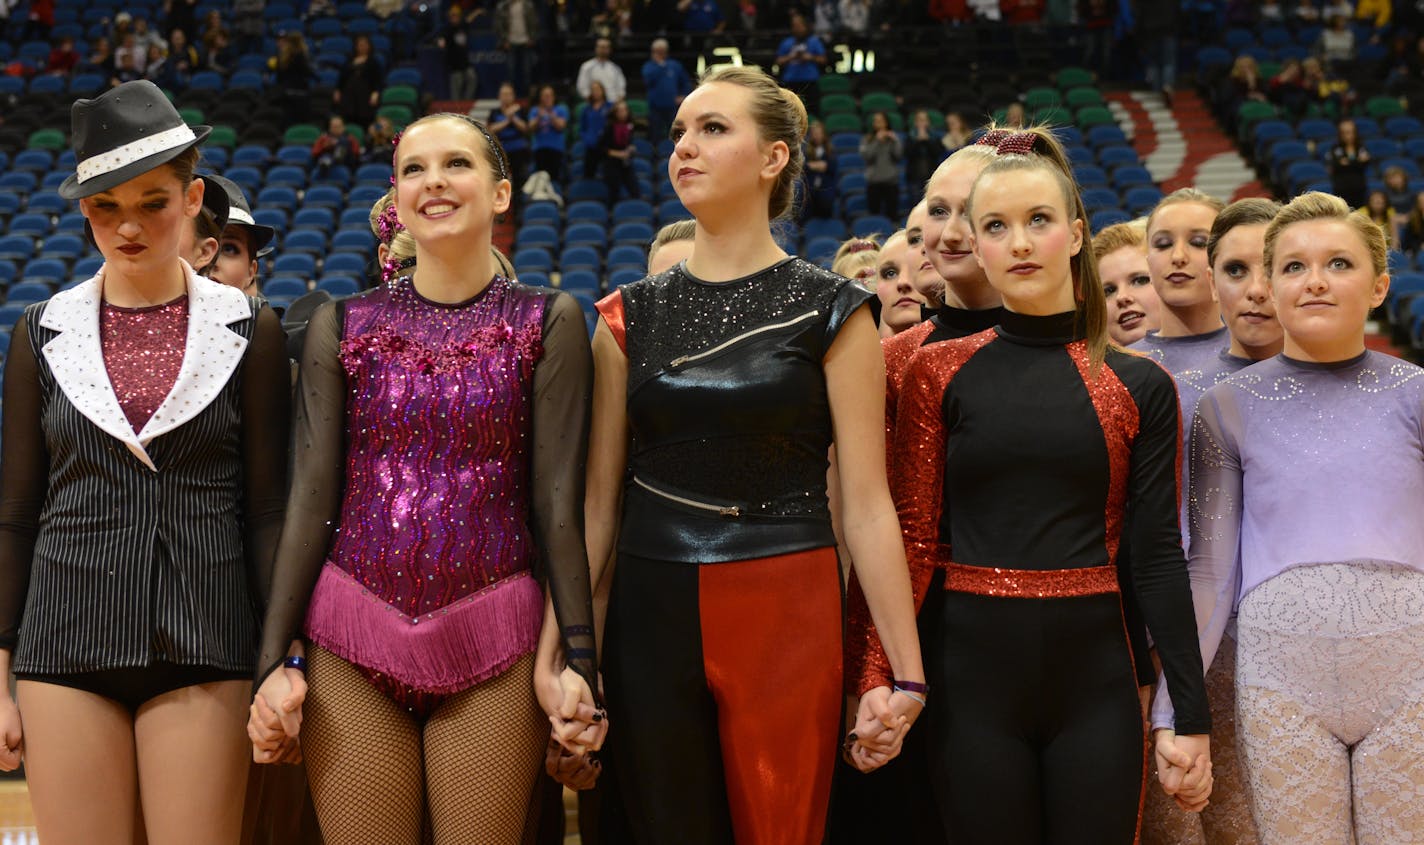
x=577 y=727
x=1184 y=768
x=881 y=721
x=274 y=720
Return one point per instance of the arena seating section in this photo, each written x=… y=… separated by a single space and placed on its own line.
x=587 y=245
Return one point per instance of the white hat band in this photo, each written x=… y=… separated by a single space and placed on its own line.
x=133 y=151
x=237 y=215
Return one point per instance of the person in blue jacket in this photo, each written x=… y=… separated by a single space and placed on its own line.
x=667 y=83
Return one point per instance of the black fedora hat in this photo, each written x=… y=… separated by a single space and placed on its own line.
x=239 y=213
x=124 y=132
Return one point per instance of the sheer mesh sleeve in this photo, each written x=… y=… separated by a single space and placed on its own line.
x=563 y=395
x=314 y=503
x=24 y=474
x=1215 y=514
x=266 y=418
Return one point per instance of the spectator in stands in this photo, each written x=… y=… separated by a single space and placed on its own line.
x=100 y=59
x=1121 y=253
x=145 y=35
x=126 y=70
x=1379 y=211
x=825 y=19
x=667 y=83
x=882 y=151
x=1336 y=45
x=506 y=122
x=1306 y=13
x=335 y=147
x=379 y=136
x=671 y=246
x=516 y=25
x=136 y=706
x=1348 y=162
x=384 y=9
x=900 y=303
x=591 y=122
x=615 y=20
x=292 y=74
x=249 y=25
x=1338 y=9
x=1376 y=13
x=358 y=89
x=122 y=25
x=63 y=58
x=1246 y=81
x=183 y=56
x=1412 y=233
x=923 y=152
x=602 y=69
x=1325 y=88
x=858 y=259
x=701 y=16
x=956 y=132
x=180 y=14
x=1157 y=27
x=218 y=52
x=1015 y=116
x=1270 y=13
x=800 y=57
x=155 y=68
x=1396 y=187
x=39 y=21
x=455 y=38
x=855 y=17
x=819 y=175
x=130 y=55
x=547 y=121
x=617 y=150
x=1288 y=90
x=1095 y=18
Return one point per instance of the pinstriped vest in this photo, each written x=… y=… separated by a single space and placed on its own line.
x=132 y=566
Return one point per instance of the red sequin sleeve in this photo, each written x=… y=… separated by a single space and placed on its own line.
x=917 y=484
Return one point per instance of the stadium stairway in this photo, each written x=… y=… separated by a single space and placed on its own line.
x=1182 y=145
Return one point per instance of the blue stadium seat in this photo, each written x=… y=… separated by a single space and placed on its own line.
x=256 y=62
x=47 y=202
x=1141 y=199
x=284 y=286
x=542 y=212
x=31 y=225
x=215 y=159
x=11 y=86
x=1090 y=176
x=86 y=267
x=274 y=217
x=336 y=174
x=852 y=206
x=536 y=279
x=1078 y=156
x=354 y=239
x=250 y=80
x=294 y=154
x=587 y=189
x=9 y=203
x=404 y=76
x=8 y=272
x=206 y=80
x=276 y=197
x=588 y=211
x=585 y=280
x=323 y=27
x=35 y=161
x=671 y=210
x=354 y=217
x=1403 y=126
x=537 y=235
x=1106 y=217
x=621 y=276
x=71 y=223
x=365 y=195
x=580 y=258
x=630 y=210
x=286 y=175
x=349 y=263
x=47 y=84
x=321 y=219
x=17 y=247
x=290 y=262
x=1368 y=127
x=1316 y=129
x=824 y=227
x=251 y=155
x=1116 y=156
x=534 y=259
x=1382 y=148
x=1104 y=135
x=636 y=232
x=33 y=289
x=1097 y=198
x=374 y=174
x=872 y=224
x=1213 y=57
x=627 y=254
x=64 y=247
x=590 y=234
x=1300 y=173
x=851 y=183
x=325 y=195
x=339 y=285
x=309 y=241
x=821 y=250
x=18 y=181
x=1130 y=176
x=369 y=26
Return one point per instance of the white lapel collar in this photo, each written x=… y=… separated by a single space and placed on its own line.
x=210 y=356
x=76 y=358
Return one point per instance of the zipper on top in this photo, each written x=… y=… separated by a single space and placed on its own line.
x=724 y=511
x=683 y=359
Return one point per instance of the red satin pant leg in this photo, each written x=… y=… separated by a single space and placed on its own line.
x=771 y=645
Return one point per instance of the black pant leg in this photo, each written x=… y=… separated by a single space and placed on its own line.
x=667 y=752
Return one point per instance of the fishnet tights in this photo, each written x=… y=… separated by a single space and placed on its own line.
x=1227 y=819
x=373 y=767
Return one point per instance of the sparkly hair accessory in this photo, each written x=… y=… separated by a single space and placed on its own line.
x=392 y=266
x=860 y=246
x=1006 y=142
x=389 y=225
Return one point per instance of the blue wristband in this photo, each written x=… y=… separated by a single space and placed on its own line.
x=296 y=662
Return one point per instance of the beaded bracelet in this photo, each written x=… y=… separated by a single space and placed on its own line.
x=296 y=662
